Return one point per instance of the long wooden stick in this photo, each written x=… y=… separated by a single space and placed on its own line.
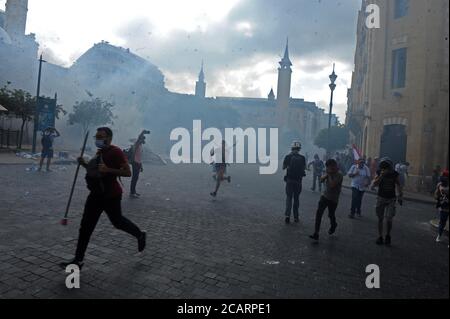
x=64 y=220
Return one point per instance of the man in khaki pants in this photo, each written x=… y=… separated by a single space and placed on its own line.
x=387 y=181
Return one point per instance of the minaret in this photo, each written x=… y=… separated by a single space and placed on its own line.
x=284 y=78
x=284 y=87
x=16 y=18
x=271 y=95
x=200 y=86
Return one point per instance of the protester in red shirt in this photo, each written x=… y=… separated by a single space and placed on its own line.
x=105 y=193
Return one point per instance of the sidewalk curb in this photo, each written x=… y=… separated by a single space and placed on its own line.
x=36 y=163
x=406 y=198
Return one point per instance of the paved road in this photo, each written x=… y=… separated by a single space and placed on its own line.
x=235 y=247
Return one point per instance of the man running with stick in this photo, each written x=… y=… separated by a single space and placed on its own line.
x=105 y=194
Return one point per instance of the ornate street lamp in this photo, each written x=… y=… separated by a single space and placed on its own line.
x=333 y=78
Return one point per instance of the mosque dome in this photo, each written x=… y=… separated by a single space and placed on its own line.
x=4 y=37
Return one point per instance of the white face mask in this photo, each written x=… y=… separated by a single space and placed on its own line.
x=100 y=144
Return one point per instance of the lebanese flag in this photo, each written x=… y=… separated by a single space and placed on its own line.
x=356 y=153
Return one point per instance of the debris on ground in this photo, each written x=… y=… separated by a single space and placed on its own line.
x=271 y=262
x=33 y=168
x=27 y=155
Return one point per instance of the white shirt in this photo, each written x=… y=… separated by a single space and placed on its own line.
x=218 y=155
x=362 y=180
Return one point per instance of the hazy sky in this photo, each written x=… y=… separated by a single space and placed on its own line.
x=241 y=41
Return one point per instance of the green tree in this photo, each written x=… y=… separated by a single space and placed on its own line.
x=23 y=105
x=339 y=138
x=91 y=113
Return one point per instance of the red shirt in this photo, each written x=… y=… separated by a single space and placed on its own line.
x=113 y=157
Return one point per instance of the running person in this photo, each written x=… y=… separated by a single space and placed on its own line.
x=221 y=157
x=105 y=194
x=387 y=181
x=318 y=168
x=330 y=198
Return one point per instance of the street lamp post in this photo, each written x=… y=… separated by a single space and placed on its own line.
x=36 y=111
x=333 y=78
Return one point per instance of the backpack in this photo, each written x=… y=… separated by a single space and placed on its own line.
x=296 y=168
x=96 y=183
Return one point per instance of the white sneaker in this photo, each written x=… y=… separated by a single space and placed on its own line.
x=438 y=239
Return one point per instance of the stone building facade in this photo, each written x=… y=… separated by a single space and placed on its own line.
x=398 y=104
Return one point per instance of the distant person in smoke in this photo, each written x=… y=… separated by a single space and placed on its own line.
x=295 y=165
x=402 y=170
x=360 y=175
x=48 y=137
x=221 y=159
x=105 y=194
x=136 y=162
x=318 y=169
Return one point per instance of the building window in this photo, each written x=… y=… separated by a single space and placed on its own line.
x=401 y=8
x=399 y=68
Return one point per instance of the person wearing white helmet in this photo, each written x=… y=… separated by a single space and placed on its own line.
x=387 y=181
x=295 y=165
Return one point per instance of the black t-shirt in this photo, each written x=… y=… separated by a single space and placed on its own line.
x=105 y=184
x=386 y=188
x=295 y=165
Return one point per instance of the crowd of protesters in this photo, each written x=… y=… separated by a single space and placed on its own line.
x=367 y=173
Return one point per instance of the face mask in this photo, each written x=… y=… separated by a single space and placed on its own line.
x=100 y=144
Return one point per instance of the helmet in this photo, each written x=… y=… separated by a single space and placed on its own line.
x=296 y=145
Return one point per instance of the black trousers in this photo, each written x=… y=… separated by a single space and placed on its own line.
x=325 y=203
x=136 y=168
x=293 y=191
x=94 y=207
x=357 y=197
